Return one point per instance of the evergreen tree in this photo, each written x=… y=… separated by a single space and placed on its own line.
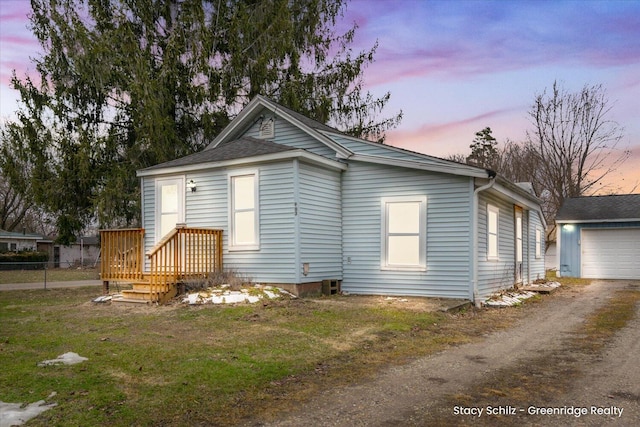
x=126 y=84
x=483 y=150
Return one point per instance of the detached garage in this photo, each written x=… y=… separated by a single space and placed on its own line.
x=599 y=237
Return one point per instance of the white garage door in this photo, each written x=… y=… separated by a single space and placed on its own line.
x=612 y=253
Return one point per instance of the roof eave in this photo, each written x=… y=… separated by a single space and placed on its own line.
x=594 y=221
x=284 y=155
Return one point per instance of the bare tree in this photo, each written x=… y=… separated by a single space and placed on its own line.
x=576 y=144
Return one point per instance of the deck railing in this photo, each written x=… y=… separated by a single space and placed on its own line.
x=184 y=253
x=121 y=254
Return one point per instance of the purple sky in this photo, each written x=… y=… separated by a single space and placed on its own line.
x=455 y=67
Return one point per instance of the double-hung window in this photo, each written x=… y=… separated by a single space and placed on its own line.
x=493 y=215
x=404 y=233
x=243 y=211
x=538 y=243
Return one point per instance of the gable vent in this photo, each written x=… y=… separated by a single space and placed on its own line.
x=267 y=128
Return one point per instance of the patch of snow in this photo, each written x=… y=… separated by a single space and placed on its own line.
x=396 y=299
x=69 y=358
x=16 y=414
x=223 y=295
x=508 y=299
x=103 y=298
x=546 y=285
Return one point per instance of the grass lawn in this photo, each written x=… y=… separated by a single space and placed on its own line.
x=208 y=365
x=53 y=275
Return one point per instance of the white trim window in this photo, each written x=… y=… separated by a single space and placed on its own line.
x=404 y=233
x=493 y=217
x=244 y=221
x=538 y=243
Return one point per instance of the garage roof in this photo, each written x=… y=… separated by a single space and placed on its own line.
x=625 y=207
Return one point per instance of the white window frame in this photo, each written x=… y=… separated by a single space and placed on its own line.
x=538 y=243
x=493 y=256
x=255 y=245
x=422 y=234
x=180 y=182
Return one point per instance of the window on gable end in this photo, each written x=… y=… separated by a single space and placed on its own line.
x=404 y=233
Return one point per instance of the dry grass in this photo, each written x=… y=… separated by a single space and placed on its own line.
x=53 y=275
x=210 y=365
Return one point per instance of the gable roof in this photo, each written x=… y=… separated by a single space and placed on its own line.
x=624 y=207
x=236 y=149
x=230 y=148
x=254 y=110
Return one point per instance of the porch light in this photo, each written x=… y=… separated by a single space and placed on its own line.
x=191 y=185
x=568 y=227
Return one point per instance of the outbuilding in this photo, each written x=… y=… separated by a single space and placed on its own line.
x=599 y=237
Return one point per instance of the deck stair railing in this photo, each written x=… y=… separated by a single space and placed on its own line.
x=184 y=253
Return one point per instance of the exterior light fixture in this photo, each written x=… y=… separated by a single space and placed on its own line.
x=191 y=185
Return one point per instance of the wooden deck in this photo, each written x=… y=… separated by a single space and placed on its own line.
x=185 y=253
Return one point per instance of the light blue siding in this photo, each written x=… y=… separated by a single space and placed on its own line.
x=570 y=261
x=494 y=275
x=448 y=231
x=208 y=207
x=537 y=266
x=148 y=216
x=287 y=134
x=320 y=211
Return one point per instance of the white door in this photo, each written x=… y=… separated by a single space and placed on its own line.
x=610 y=253
x=169 y=205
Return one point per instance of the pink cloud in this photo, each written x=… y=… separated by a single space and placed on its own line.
x=27 y=41
x=443 y=139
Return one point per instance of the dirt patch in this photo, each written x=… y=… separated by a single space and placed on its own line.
x=406 y=303
x=539 y=362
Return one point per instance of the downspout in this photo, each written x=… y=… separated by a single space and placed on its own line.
x=474 y=256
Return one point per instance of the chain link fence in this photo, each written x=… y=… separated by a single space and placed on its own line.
x=43 y=272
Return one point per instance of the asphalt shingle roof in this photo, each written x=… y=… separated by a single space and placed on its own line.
x=622 y=207
x=236 y=149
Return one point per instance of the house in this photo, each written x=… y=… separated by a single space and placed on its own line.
x=298 y=204
x=599 y=237
x=18 y=241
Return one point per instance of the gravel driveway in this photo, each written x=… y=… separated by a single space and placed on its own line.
x=427 y=391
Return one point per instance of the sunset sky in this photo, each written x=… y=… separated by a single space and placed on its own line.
x=455 y=67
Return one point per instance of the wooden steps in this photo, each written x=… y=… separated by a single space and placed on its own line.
x=141 y=293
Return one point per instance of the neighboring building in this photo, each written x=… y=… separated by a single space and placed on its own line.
x=300 y=202
x=84 y=252
x=598 y=237
x=14 y=241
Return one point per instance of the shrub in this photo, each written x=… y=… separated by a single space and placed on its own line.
x=23 y=260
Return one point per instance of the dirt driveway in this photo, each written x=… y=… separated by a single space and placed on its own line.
x=529 y=374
